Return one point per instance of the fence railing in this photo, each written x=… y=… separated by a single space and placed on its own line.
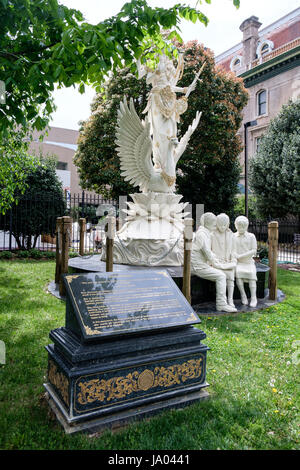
x=32 y=223
x=288 y=238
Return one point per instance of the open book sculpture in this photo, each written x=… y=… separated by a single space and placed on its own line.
x=149 y=151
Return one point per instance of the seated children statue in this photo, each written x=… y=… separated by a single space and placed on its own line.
x=245 y=247
x=205 y=264
x=223 y=247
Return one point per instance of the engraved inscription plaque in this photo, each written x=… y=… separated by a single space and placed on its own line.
x=110 y=304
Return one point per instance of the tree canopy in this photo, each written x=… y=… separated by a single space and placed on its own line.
x=38 y=206
x=43 y=42
x=275 y=169
x=15 y=162
x=209 y=170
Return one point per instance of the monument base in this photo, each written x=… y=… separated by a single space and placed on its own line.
x=99 y=385
x=120 y=420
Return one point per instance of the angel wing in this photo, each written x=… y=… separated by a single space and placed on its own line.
x=134 y=146
x=185 y=139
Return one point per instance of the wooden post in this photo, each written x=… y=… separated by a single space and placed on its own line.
x=273 y=249
x=66 y=237
x=110 y=235
x=188 y=240
x=58 y=249
x=82 y=230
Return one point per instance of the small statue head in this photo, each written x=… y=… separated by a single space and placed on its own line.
x=222 y=222
x=166 y=65
x=209 y=221
x=241 y=224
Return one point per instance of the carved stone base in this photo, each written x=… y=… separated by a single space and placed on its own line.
x=137 y=252
x=153 y=232
x=117 y=421
x=116 y=379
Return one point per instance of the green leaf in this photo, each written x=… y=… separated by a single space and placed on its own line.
x=58 y=71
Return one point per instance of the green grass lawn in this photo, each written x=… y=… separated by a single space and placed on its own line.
x=254 y=382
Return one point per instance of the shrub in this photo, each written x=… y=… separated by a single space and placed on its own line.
x=275 y=169
x=38 y=208
x=36 y=254
x=6 y=254
x=23 y=254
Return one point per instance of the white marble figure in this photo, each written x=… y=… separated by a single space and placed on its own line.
x=223 y=248
x=157 y=135
x=205 y=264
x=245 y=248
x=149 y=151
x=163 y=108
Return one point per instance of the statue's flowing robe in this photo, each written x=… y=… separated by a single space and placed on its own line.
x=202 y=259
x=245 y=268
x=222 y=245
x=164 y=110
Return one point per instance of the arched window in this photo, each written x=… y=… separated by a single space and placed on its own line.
x=262 y=102
x=236 y=63
x=264 y=47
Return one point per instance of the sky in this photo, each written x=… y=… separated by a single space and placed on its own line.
x=221 y=34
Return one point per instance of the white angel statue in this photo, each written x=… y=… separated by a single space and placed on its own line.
x=157 y=135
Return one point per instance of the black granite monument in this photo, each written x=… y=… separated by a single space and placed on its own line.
x=128 y=350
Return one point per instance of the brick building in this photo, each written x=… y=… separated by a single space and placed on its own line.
x=268 y=60
x=63 y=144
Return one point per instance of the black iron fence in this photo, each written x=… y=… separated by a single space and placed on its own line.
x=31 y=225
x=288 y=238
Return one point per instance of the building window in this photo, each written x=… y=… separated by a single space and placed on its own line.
x=61 y=165
x=262 y=102
x=257 y=143
x=236 y=63
x=264 y=48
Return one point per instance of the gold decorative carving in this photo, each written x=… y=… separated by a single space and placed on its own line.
x=192 y=317
x=170 y=180
x=146 y=380
x=71 y=278
x=164 y=273
x=120 y=387
x=165 y=100
x=60 y=381
x=89 y=331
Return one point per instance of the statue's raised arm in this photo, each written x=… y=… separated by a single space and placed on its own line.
x=164 y=108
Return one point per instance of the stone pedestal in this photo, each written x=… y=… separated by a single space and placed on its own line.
x=90 y=385
x=105 y=369
x=153 y=232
